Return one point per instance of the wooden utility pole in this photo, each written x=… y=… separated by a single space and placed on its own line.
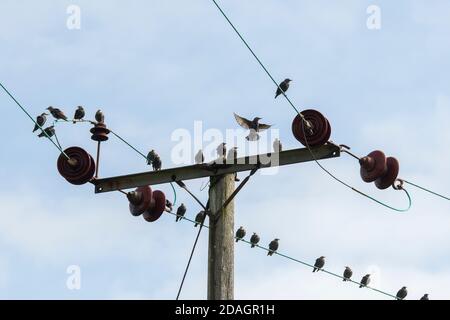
x=221 y=239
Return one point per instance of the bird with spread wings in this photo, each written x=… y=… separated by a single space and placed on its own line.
x=253 y=125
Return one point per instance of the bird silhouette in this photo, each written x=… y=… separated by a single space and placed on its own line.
x=157 y=163
x=240 y=233
x=57 y=113
x=180 y=212
x=199 y=157
x=320 y=262
x=99 y=116
x=273 y=246
x=49 y=131
x=40 y=120
x=169 y=205
x=277 y=146
x=283 y=86
x=79 y=114
x=365 y=281
x=402 y=293
x=254 y=126
x=151 y=156
x=254 y=239
x=425 y=297
x=199 y=218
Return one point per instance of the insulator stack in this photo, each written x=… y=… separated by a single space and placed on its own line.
x=376 y=167
x=151 y=204
x=317 y=133
x=79 y=168
x=99 y=132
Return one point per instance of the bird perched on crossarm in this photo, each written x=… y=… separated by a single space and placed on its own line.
x=157 y=163
x=254 y=239
x=320 y=262
x=254 y=126
x=282 y=86
x=273 y=246
x=57 y=113
x=180 y=212
x=199 y=157
x=40 y=120
x=49 y=131
x=240 y=233
x=79 y=114
x=277 y=146
x=151 y=156
x=222 y=150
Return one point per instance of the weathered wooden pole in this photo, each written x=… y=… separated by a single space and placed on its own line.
x=221 y=239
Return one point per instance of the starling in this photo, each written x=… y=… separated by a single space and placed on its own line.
x=57 y=114
x=232 y=155
x=180 y=212
x=365 y=281
x=240 y=233
x=320 y=262
x=283 y=86
x=40 y=121
x=157 y=163
x=50 y=131
x=222 y=150
x=347 y=274
x=425 y=297
x=199 y=218
x=273 y=246
x=169 y=205
x=402 y=293
x=254 y=126
x=79 y=114
x=199 y=157
x=254 y=239
x=277 y=146
x=99 y=116
x=151 y=156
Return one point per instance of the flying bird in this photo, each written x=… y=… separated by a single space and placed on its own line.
x=254 y=239
x=40 y=120
x=222 y=150
x=49 y=131
x=402 y=293
x=57 y=114
x=253 y=125
x=365 y=281
x=277 y=146
x=347 y=274
x=157 y=163
x=199 y=218
x=425 y=297
x=99 y=116
x=273 y=246
x=240 y=233
x=79 y=114
x=320 y=262
x=180 y=212
x=283 y=86
x=199 y=157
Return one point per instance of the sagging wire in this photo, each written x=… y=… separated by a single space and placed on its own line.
x=300 y=261
x=305 y=122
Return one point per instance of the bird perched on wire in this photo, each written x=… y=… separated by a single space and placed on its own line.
x=222 y=150
x=49 y=131
x=169 y=205
x=199 y=218
x=157 y=163
x=347 y=274
x=57 y=113
x=365 y=281
x=253 y=125
x=99 y=116
x=277 y=146
x=402 y=293
x=79 y=114
x=199 y=157
x=425 y=297
x=40 y=120
x=180 y=212
x=273 y=246
x=283 y=86
x=254 y=239
x=240 y=233
x=320 y=262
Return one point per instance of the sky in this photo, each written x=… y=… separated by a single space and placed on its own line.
x=155 y=67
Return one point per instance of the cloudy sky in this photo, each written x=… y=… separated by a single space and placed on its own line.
x=158 y=66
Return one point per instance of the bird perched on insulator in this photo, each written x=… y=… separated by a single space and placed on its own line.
x=240 y=233
x=199 y=218
x=79 y=114
x=254 y=239
x=277 y=146
x=253 y=125
x=347 y=274
x=157 y=163
x=57 y=113
x=222 y=150
x=402 y=293
x=273 y=246
x=425 y=297
x=320 y=262
x=99 y=116
x=365 y=281
x=47 y=132
x=169 y=205
x=283 y=86
x=180 y=212
x=199 y=157
x=40 y=120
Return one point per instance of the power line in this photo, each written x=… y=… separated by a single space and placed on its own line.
x=425 y=189
x=301 y=262
x=304 y=120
